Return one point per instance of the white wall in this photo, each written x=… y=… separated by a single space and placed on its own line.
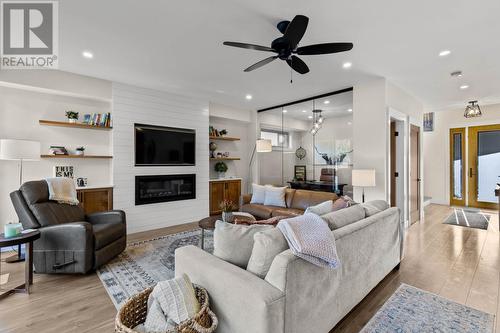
x=371 y=103
x=437 y=149
x=370 y=135
x=137 y=105
x=20 y=111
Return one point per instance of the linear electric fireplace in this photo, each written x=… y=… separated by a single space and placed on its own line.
x=163 y=188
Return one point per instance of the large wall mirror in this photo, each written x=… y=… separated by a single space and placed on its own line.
x=312 y=144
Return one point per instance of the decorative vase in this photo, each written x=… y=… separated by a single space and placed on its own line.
x=71 y=121
x=222 y=175
x=227 y=217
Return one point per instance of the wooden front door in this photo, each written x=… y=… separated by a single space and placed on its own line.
x=457 y=166
x=484 y=165
x=414 y=174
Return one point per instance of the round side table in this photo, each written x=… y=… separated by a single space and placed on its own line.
x=28 y=239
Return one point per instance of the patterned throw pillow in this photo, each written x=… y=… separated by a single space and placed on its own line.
x=270 y=221
x=340 y=203
x=170 y=303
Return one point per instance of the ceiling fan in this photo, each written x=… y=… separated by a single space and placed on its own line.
x=286 y=47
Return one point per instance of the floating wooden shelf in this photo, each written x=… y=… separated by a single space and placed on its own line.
x=224 y=158
x=224 y=138
x=75 y=125
x=76 y=156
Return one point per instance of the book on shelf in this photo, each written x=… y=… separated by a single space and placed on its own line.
x=98 y=119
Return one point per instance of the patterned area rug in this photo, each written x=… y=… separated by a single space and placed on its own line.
x=468 y=218
x=411 y=309
x=144 y=263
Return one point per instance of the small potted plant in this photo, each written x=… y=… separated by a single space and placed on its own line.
x=227 y=208
x=80 y=150
x=72 y=116
x=221 y=168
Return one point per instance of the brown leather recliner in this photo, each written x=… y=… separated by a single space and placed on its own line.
x=296 y=203
x=70 y=241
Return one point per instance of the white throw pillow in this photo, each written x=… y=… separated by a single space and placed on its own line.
x=258 y=194
x=320 y=209
x=234 y=242
x=267 y=245
x=275 y=196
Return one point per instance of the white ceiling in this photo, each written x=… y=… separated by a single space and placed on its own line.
x=176 y=45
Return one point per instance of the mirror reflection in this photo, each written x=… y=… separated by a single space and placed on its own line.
x=312 y=145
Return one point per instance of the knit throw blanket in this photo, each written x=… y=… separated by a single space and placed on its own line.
x=310 y=238
x=62 y=190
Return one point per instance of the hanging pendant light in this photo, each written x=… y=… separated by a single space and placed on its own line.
x=472 y=110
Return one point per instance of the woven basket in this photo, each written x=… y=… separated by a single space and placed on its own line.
x=134 y=312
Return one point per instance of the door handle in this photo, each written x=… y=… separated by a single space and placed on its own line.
x=470 y=173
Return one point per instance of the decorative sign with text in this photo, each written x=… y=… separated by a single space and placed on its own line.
x=64 y=171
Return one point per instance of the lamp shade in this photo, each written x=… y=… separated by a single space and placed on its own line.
x=263 y=146
x=19 y=150
x=363 y=177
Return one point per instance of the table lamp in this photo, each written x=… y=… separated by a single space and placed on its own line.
x=19 y=150
x=363 y=178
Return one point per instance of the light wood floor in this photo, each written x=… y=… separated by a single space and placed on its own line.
x=462 y=264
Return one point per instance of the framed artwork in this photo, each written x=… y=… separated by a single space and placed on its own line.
x=428 y=122
x=300 y=173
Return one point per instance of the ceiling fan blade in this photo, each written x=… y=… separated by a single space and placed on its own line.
x=297 y=65
x=324 y=48
x=249 y=46
x=296 y=30
x=260 y=63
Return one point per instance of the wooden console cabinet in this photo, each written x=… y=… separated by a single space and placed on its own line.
x=224 y=189
x=95 y=200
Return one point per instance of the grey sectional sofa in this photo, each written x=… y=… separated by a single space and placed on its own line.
x=296 y=296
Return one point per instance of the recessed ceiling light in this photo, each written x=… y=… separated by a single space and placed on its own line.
x=87 y=54
x=347 y=65
x=304 y=111
x=285 y=111
x=444 y=53
x=220 y=91
x=310 y=117
x=326 y=102
x=464 y=86
x=248 y=96
x=349 y=110
x=349 y=123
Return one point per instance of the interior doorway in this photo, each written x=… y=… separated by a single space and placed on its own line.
x=414 y=174
x=397 y=176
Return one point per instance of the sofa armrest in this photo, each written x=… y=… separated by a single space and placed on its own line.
x=246 y=198
x=242 y=301
x=67 y=236
x=112 y=216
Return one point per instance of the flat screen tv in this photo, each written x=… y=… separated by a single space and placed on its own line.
x=157 y=145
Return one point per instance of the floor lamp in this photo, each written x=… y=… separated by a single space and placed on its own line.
x=363 y=178
x=19 y=150
x=261 y=146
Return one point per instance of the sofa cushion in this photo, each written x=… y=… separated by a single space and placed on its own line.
x=290 y=212
x=321 y=209
x=303 y=198
x=234 y=243
x=289 y=193
x=343 y=217
x=259 y=211
x=258 y=194
x=267 y=245
x=275 y=196
x=107 y=233
x=374 y=207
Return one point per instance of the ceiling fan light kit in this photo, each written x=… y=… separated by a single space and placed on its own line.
x=287 y=47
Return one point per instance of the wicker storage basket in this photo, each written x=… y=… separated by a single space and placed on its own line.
x=134 y=312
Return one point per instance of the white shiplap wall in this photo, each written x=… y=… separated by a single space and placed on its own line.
x=139 y=105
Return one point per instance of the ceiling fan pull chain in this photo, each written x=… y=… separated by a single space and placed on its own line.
x=291 y=74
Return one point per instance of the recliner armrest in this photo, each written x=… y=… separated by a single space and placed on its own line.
x=67 y=236
x=112 y=216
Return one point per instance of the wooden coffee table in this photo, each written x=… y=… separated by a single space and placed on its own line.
x=27 y=239
x=208 y=223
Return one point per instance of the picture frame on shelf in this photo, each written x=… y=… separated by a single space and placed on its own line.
x=300 y=173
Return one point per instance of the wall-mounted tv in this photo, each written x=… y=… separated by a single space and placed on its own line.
x=159 y=146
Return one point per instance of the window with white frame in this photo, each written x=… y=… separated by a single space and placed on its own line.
x=278 y=138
